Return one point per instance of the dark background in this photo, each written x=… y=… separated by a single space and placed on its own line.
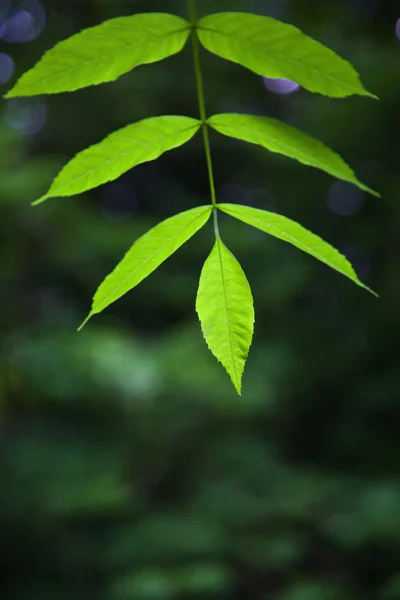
x=129 y=468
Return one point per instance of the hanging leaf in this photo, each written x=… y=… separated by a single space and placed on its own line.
x=225 y=307
x=146 y=254
x=103 y=53
x=283 y=139
x=289 y=231
x=277 y=50
x=120 y=151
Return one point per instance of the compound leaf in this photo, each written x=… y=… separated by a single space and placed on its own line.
x=289 y=231
x=103 y=53
x=120 y=151
x=277 y=50
x=281 y=138
x=225 y=307
x=146 y=254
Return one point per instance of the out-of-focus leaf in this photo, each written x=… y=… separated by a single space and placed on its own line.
x=205 y=578
x=144 y=584
x=316 y=590
x=391 y=591
x=18 y=182
x=277 y=50
x=103 y=53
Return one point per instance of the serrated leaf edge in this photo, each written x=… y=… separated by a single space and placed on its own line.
x=238 y=383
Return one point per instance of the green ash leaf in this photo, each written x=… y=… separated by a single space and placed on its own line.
x=148 y=253
x=103 y=53
x=289 y=231
x=225 y=308
x=281 y=138
x=277 y=50
x=122 y=150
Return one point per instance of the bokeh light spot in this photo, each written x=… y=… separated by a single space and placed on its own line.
x=6 y=68
x=283 y=87
x=119 y=201
x=19 y=27
x=25 y=23
x=2 y=26
x=398 y=29
x=26 y=116
x=345 y=199
x=4 y=8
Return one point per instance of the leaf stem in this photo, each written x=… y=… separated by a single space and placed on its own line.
x=202 y=109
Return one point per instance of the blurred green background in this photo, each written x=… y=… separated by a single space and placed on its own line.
x=129 y=468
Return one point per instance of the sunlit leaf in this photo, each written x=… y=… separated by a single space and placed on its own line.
x=283 y=139
x=146 y=254
x=277 y=50
x=289 y=231
x=225 y=308
x=103 y=53
x=120 y=151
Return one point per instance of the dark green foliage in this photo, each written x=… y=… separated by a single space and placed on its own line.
x=128 y=469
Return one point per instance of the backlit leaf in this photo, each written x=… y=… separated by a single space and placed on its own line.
x=283 y=139
x=146 y=254
x=289 y=231
x=103 y=53
x=225 y=308
x=120 y=151
x=277 y=50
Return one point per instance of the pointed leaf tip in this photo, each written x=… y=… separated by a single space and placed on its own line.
x=289 y=231
x=280 y=138
x=121 y=151
x=82 y=325
x=148 y=253
x=225 y=308
x=103 y=53
x=277 y=50
x=40 y=200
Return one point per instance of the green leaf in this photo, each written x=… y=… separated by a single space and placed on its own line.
x=103 y=53
x=146 y=254
x=289 y=231
x=274 y=49
x=283 y=139
x=120 y=151
x=225 y=307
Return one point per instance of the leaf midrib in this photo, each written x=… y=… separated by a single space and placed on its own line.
x=227 y=313
x=318 y=163
x=297 y=243
x=94 y=60
x=116 y=158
